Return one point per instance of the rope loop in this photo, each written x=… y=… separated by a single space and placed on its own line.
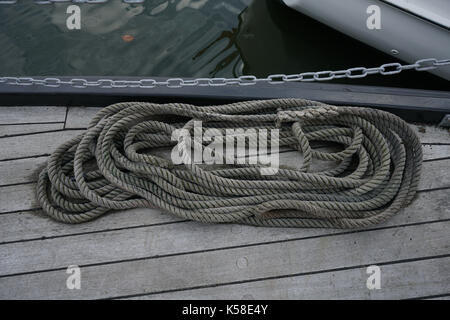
x=172 y=157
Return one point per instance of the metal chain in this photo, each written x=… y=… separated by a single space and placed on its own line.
x=73 y=1
x=352 y=73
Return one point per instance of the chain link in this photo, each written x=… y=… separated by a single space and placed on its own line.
x=352 y=73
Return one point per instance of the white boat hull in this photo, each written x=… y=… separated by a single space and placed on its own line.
x=409 y=30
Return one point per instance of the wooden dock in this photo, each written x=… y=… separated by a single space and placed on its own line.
x=148 y=254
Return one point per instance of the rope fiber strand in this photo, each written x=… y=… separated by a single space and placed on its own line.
x=111 y=166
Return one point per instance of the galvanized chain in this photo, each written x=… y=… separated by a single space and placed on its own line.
x=73 y=1
x=352 y=73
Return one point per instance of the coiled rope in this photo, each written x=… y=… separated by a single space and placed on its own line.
x=110 y=166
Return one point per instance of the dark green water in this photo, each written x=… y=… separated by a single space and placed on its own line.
x=183 y=38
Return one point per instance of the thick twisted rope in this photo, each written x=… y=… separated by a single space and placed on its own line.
x=110 y=166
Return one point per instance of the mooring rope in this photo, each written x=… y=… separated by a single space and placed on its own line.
x=111 y=166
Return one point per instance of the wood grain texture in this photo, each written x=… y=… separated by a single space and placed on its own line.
x=79 y=117
x=174 y=239
x=431 y=134
x=8 y=130
x=21 y=170
x=34 y=144
x=214 y=267
x=32 y=114
x=398 y=281
x=440 y=297
x=18 y=197
x=431 y=152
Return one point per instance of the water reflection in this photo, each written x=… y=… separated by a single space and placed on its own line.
x=272 y=39
x=159 y=8
x=194 y=4
x=181 y=38
x=156 y=38
x=230 y=53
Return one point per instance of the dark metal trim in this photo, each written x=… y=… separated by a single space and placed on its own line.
x=425 y=106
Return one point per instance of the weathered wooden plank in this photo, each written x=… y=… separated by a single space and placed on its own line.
x=21 y=170
x=431 y=134
x=173 y=238
x=32 y=114
x=79 y=117
x=398 y=281
x=426 y=208
x=435 y=174
x=33 y=144
x=431 y=152
x=208 y=268
x=444 y=297
x=8 y=130
x=18 y=197
x=36 y=225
